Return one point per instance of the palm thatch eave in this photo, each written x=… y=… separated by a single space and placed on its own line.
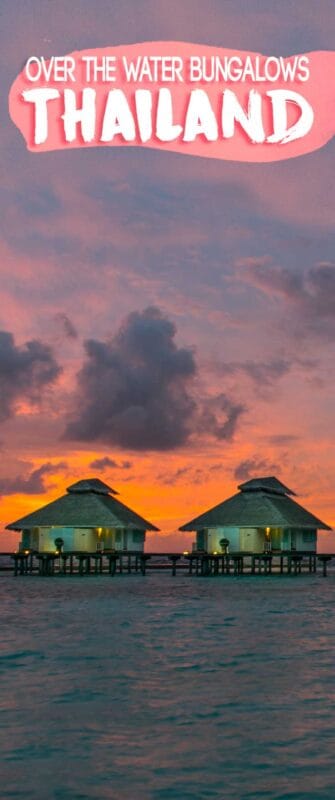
x=83 y=510
x=256 y=510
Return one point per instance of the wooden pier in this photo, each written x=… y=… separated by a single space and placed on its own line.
x=111 y=563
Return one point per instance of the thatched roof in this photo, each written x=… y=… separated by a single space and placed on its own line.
x=87 y=504
x=91 y=485
x=261 y=503
x=272 y=485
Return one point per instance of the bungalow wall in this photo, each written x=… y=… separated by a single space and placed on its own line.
x=301 y=539
x=253 y=540
x=247 y=539
x=84 y=539
x=208 y=539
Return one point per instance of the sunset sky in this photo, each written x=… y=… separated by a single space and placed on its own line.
x=167 y=322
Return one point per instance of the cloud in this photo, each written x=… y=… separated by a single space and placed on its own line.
x=171 y=478
x=220 y=417
x=253 y=467
x=66 y=326
x=137 y=390
x=189 y=475
x=24 y=372
x=272 y=279
x=33 y=482
x=283 y=439
x=109 y=463
x=134 y=389
x=261 y=372
x=311 y=293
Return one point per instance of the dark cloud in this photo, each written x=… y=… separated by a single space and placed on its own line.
x=66 y=326
x=33 y=482
x=253 y=467
x=24 y=372
x=275 y=280
x=283 y=439
x=137 y=390
x=189 y=475
x=260 y=372
x=134 y=389
x=171 y=478
x=109 y=463
x=220 y=417
x=39 y=201
x=311 y=293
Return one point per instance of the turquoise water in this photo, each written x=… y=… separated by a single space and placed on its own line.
x=157 y=688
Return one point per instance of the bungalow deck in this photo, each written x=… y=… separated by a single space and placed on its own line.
x=193 y=564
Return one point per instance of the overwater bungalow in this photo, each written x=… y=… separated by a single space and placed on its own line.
x=261 y=517
x=87 y=518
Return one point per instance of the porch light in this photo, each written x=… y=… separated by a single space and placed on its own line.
x=267 y=531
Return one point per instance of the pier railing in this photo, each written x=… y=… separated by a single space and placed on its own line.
x=202 y=564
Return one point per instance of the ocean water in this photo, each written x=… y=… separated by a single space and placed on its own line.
x=161 y=688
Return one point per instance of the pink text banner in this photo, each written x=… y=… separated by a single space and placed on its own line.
x=190 y=99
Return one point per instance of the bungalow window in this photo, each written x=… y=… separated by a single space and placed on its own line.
x=308 y=536
x=138 y=537
x=25 y=540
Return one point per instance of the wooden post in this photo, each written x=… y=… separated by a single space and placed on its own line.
x=81 y=567
x=143 y=564
x=64 y=557
x=174 y=560
x=205 y=565
x=324 y=560
x=112 y=563
x=296 y=559
x=51 y=564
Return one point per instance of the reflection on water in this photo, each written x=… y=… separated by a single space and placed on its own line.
x=157 y=688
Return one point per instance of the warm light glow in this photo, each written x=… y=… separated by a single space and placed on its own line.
x=156 y=501
x=215 y=552
x=186 y=552
x=267 y=531
x=26 y=552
